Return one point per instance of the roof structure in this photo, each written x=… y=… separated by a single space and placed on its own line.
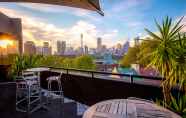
x=11 y=27
x=93 y=5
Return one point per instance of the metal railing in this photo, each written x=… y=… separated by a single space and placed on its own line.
x=94 y=73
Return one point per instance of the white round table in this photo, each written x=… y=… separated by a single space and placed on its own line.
x=40 y=69
x=128 y=108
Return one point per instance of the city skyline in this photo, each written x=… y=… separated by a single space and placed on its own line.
x=31 y=48
x=44 y=23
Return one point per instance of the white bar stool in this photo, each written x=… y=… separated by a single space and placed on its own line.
x=58 y=92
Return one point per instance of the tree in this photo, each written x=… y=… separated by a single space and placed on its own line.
x=178 y=72
x=163 y=57
x=84 y=62
x=146 y=47
x=68 y=63
x=51 y=61
x=131 y=57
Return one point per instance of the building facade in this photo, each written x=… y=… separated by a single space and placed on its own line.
x=12 y=26
x=47 y=50
x=61 y=47
x=29 y=48
x=99 y=45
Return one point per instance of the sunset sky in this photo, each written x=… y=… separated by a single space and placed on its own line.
x=123 y=20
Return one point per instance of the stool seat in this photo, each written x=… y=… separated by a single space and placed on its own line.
x=53 y=78
x=57 y=79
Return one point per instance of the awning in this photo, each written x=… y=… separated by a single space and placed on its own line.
x=93 y=5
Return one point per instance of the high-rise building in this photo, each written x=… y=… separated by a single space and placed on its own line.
x=12 y=26
x=47 y=50
x=61 y=47
x=39 y=50
x=99 y=45
x=81 y=48
x=29 y=48
x=125 y=47
x=86 y=49
x=69 y=51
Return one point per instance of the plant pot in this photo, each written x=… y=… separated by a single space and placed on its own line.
x=7 y=99
x=4 y=73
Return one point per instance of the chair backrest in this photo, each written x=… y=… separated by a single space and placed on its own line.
x=29 y=75
x=61 y=73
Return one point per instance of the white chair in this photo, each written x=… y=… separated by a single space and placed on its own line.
x=28 y=89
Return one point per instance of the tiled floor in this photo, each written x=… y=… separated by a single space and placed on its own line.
x=70 y=109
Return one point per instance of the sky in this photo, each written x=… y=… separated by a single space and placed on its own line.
x=123 y=20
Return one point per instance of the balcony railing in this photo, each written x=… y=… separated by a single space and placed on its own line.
x=90 y=87
x=93 y=73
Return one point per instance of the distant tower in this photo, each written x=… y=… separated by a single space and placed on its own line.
x=99 y=44
x=86 y=49
x=82 y=51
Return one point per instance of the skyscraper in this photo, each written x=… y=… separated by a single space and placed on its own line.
x=99 y=45
x=29 y=48
x=47 y=50
x=39 y=50
x=82 y=49
x=125 y=48
x=61 y=47
x=86 y=49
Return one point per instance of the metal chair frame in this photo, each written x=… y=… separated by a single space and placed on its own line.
x=27 y=86
x=60 y=90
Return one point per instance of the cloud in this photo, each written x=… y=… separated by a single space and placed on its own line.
x=184 y=23
x=37 y=30
x=128 y=4
x=54 y=9
x=61 y=9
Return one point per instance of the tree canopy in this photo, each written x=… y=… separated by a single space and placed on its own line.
x=131 y=57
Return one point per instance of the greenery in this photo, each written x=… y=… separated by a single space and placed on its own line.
x=51 y=61
x=169 y=58
x=147 y=46
x=84 y=62
x=177 y=104
x=139 y=54
x=131 y=57
x=22 y=62
x=165 y=51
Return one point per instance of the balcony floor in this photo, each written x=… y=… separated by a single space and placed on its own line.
x=70 y=109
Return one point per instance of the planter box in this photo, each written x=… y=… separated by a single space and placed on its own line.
x=4 y=73
x=7 y=99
